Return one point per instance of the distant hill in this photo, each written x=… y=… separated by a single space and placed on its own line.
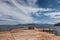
x=57 y=24
x=9 y=27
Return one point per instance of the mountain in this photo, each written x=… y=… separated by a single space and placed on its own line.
x=9 y=27
x=57 y=24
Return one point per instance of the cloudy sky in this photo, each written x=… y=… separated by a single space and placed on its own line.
x=29 y=11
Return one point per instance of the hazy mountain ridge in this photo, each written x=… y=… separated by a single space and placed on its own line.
x=9 y=27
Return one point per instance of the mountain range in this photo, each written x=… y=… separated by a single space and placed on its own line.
x=9 y=27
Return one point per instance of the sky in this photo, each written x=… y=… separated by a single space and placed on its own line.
x=29 y=11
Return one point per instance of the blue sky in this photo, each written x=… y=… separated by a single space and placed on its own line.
x=29 y=11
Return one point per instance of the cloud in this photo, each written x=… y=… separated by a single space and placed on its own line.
x=53 y=14
x=32 y=2
x=19 y=12
x=58 y=1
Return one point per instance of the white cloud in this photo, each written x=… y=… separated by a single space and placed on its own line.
x=53 y=14
x=58 y=1
x=19 y=13
x=31 y=2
